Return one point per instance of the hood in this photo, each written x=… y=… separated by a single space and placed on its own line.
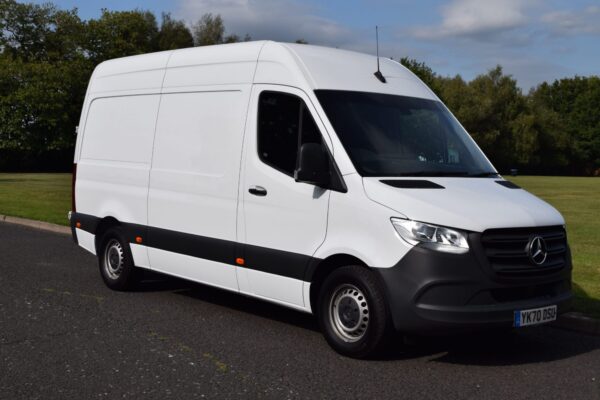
x=473 y=204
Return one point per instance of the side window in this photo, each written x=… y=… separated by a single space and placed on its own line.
x=284 y=122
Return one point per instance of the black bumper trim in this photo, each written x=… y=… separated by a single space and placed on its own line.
x=73 y=231
x=432 y=292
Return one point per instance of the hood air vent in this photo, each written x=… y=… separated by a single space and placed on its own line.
x=508 y=184
x=411 y=184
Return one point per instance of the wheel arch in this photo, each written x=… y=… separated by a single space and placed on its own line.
x=104 y=225
x=324 y=267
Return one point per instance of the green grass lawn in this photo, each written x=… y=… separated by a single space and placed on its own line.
x=47 y=197
x=44 y=197
x=578 y=199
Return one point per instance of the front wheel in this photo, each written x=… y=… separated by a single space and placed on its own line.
x=352 y=312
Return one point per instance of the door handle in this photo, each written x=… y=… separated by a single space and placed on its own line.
x=257 y=190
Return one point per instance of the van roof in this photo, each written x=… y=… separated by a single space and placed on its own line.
x=308 y=67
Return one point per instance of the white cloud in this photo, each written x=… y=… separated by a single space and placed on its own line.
x=282 y=20
x=472 y=36
x=574 y=22
x=289 y=20
x=476 y=18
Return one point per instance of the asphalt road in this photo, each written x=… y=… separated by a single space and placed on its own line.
x=64 y=335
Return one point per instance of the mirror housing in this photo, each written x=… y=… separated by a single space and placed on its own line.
x=313 y=165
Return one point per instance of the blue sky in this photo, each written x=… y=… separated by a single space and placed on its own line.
x=533 y=40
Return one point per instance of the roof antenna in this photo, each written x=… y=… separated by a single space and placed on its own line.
x=378 y=73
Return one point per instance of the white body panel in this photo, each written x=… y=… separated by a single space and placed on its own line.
x=193 y=183
x=471 y=204
x=192 y=268
x=168 y=140
x=140 y=255
x=361 y=228
x=131 y=75
x=195 y=172
x=86 y=240
x=212 y=66
x=283 y=290
x=114 y=165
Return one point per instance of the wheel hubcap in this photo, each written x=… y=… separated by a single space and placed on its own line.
x=349 y=313
x=113 y=259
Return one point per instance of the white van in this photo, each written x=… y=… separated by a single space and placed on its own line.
x=294 y=174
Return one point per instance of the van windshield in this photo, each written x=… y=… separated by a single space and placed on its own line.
x=389 y=135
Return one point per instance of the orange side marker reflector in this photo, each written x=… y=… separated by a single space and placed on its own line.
x=78 y=224
x=138 y=239
x=239 y=261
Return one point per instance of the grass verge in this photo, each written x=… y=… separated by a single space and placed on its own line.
x=43 y=197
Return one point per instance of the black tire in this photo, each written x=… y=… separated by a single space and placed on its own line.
x=362 y=326
x=116 y=262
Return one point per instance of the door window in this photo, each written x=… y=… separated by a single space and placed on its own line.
x=284 y=122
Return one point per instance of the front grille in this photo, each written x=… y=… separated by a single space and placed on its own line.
x=507 y=250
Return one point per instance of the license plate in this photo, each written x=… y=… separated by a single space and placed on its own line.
x=534 y=316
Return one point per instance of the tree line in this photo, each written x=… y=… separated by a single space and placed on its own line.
x=47 y=55
x=553 y=129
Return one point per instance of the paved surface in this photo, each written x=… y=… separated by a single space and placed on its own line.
x=64 y=335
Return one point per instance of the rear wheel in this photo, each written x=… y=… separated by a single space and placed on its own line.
x=116 y=262
x=352 y=312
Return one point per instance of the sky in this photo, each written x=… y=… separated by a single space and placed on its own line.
x=533 y=40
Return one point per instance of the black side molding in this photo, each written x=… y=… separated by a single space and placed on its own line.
x=273 y=261
x=508 y=184
x=411 y=184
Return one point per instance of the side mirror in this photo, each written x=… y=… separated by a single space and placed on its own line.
x=313 y=165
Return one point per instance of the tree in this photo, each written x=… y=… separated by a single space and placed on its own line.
x=24 y=28
x=40 y=105
x=121 y=33
x=541 y=144
x=424 y=73
x=487 y=107
x=35 y=32
x=47 y=55
x=173 y=34
x=67 y=38
x=43 y=76
x=209 y=30
x=577 y=101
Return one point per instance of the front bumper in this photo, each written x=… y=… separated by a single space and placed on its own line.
x=431 y=292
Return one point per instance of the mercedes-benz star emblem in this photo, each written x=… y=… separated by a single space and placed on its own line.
x=537 y=250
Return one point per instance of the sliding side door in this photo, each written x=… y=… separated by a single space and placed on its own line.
x=192 y=202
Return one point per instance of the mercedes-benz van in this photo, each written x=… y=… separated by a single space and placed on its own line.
x=298 y=175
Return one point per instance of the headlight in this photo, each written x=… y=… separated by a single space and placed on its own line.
x=431 y=236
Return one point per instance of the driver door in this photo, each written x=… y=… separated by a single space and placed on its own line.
x=281 y=222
